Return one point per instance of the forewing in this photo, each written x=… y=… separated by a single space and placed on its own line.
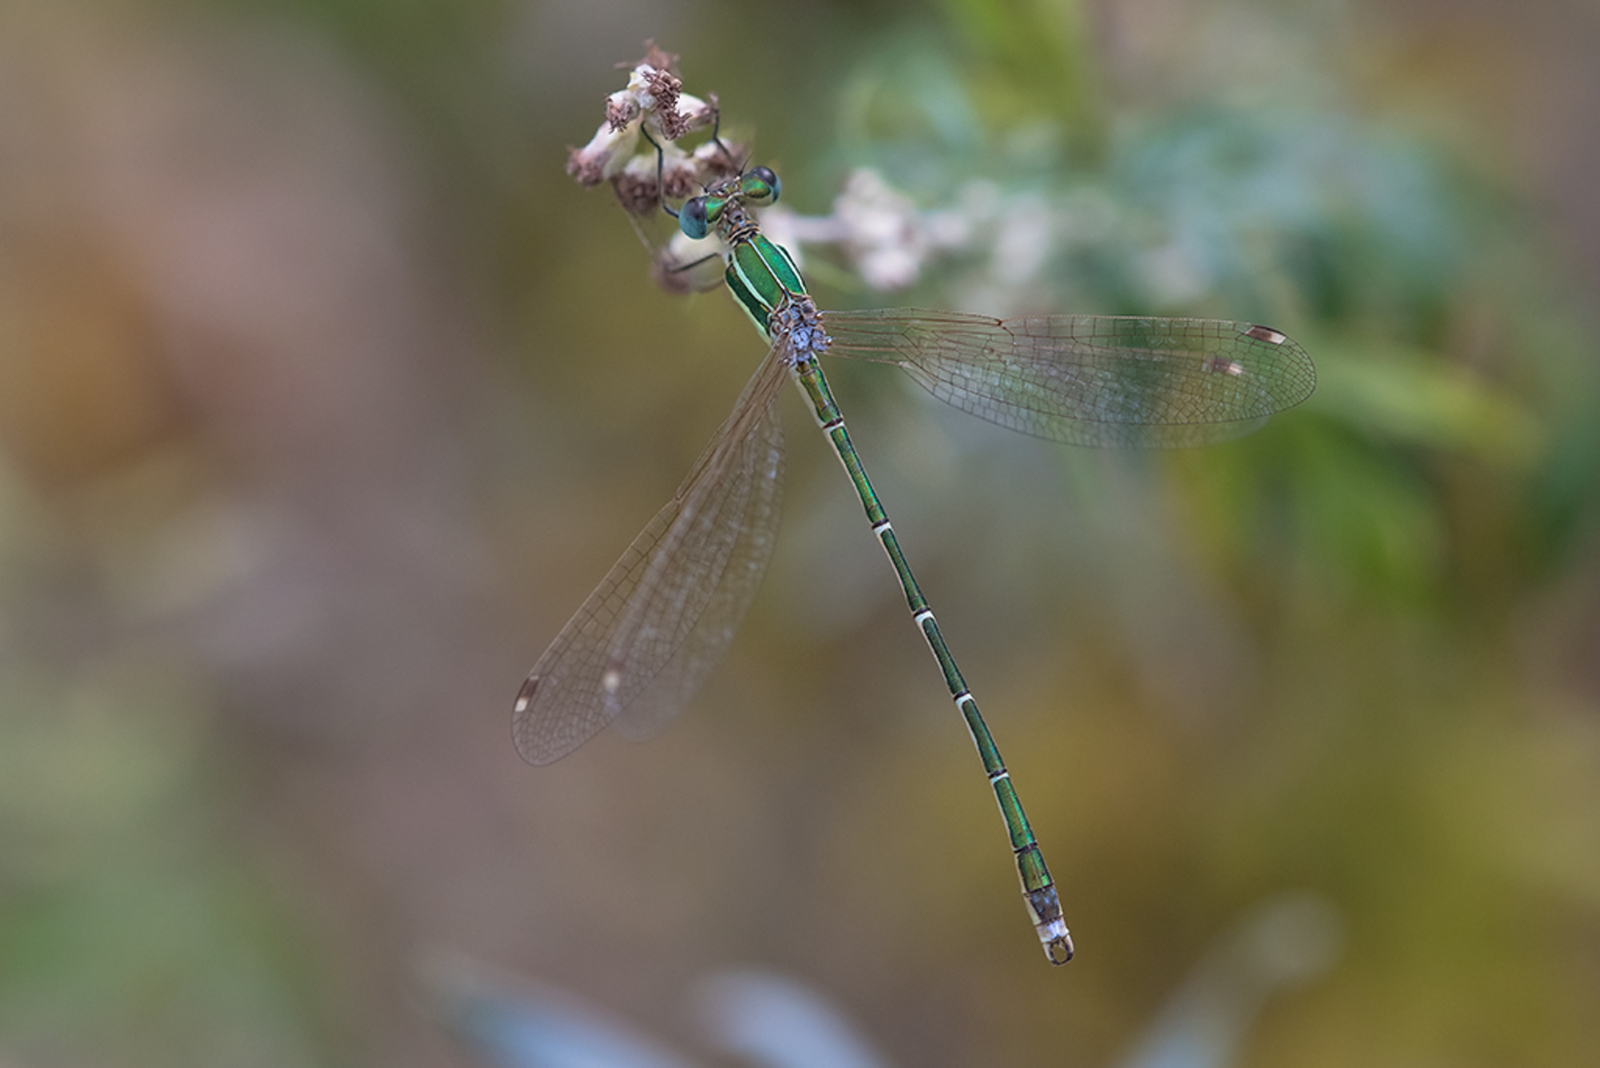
x=750 y=518
x=664 y=614
x=1089 y=379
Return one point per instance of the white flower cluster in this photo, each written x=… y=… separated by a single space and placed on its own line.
x=992 y=246
x=887 y=239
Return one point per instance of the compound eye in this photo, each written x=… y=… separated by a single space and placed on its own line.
x=693 y=218
x=760 y=185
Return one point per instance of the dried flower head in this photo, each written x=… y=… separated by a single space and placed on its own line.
x=653 y=104
x=654 y=96
x=605 y=156
x=637 y=186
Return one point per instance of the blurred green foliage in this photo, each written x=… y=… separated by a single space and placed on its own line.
x=129 y=921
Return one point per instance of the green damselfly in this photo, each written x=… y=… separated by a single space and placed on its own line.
x=648 y=636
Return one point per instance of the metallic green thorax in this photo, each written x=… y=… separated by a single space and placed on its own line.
x=762 y=276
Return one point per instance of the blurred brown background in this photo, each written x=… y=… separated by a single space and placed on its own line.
x=325 y=397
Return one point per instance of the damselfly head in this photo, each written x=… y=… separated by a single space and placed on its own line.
x=758 y=186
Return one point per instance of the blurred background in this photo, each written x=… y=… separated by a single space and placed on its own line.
x=326 y=397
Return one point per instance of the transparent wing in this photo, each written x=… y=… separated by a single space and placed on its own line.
x=1089 y=379
x=659 y=621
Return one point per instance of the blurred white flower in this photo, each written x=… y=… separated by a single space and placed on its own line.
x=1024 y=239
x=881 y=231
